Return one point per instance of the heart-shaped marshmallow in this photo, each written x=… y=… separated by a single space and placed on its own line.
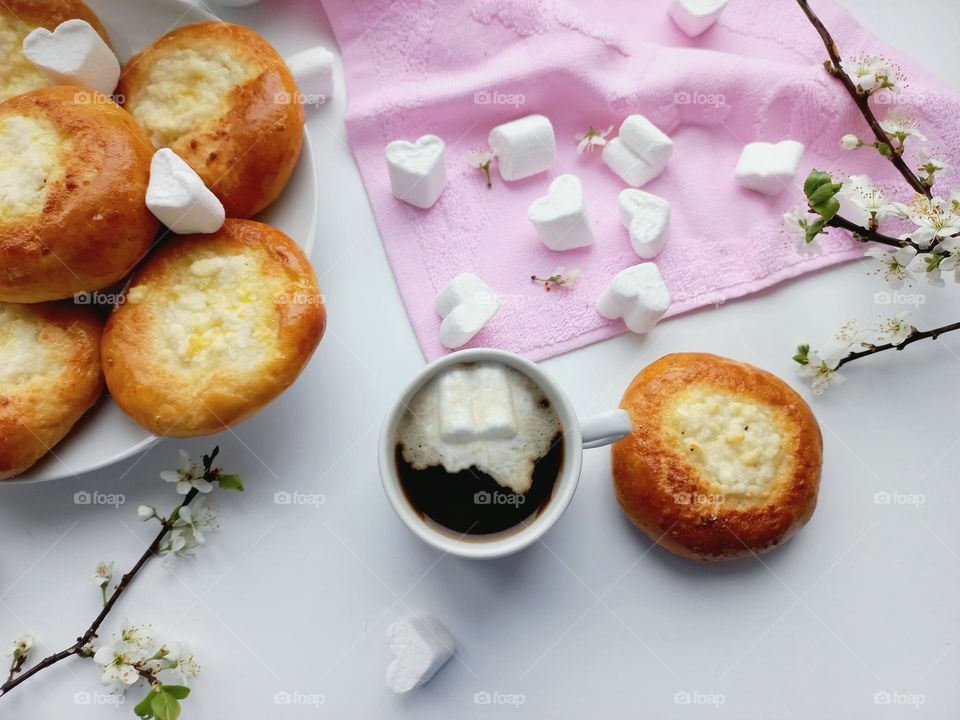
x=561 y=217
x=638 y=295
x=769 y=168
x=420 y=647
x=74 y=54
x=695 y=16
x=179 y=198
x=418 y=170
x=466 y=304
x=646 y=216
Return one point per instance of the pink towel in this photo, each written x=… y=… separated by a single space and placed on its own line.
x=456 y=68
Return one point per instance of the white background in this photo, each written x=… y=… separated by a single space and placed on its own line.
x=593 y=622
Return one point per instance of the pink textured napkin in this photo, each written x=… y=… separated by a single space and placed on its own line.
x=456 y=68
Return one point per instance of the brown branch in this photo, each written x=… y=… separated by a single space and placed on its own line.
x=862 y=101
x=912 y=338
x=867 y=235
x=91 y=632
x=210 y=474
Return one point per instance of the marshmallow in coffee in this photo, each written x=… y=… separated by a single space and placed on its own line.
x=485 y=416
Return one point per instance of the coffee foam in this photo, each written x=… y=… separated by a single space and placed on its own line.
x=509 y=461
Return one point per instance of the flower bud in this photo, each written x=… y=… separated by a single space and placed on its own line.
x=850 y=142
x=145 y=512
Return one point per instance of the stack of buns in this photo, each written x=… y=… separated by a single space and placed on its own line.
x=209 y=328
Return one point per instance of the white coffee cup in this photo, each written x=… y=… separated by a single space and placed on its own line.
x=595 y=431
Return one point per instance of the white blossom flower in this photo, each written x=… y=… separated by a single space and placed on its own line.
x=189 y=476
x=119 y=665
x=850 y=142
x=931 y=163
x=849 y=336
x=591 y=139
x=894 y=330
x=145 y=512
x=196 y=519
x=139 y=639
x=901 y=125
x=950 y=247
x=795 y=222
x=872 y=73
x=935 y=219
x=181 y=661
x=895 y=264
x=21 y=646
x=103 y=574
x=821 y=372
x=481 y=159
x=863 y=202
x=928 y=265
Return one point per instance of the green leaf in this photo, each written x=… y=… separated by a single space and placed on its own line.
x=165 y=706
x=827 y=209
x=802 y=356
x=178 y=691
x=815 y=228
x=231 y=482
x=884 y=149
x=143 y=708
x=814 y=180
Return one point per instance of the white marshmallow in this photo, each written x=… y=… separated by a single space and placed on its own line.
x=646 y=216
x=695 y=16
x=418 y=171
x=74 y=54
x=313 y=71
x=769 y=168
x=466 y=304
x=646 y=140
x=179 y=198
x=524 y=147
x=631 y=168
x=476 y=404
x=638 y=295
x=420 y=647
x=561 y=217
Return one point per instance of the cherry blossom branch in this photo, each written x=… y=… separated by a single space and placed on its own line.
x=911 y=338
x=78 y=648
x=863 y=234
x=862 y=101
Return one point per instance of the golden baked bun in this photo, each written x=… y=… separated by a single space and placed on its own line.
x=222 y=98
x=49 y=377
x=724 y=458
x=19 y=18
x=213 y=328
x=74 y=169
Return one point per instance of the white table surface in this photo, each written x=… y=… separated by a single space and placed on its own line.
x=591 y=623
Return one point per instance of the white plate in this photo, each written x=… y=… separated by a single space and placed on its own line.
x=105 y=435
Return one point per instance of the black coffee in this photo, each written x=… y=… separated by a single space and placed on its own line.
x=473 y=503
x=479 y=450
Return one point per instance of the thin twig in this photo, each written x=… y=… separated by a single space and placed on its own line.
x=912 y=338
x=862 y=100
x=91 y=632
x=867 y=235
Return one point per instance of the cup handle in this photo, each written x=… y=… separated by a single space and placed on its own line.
x=605 y=428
